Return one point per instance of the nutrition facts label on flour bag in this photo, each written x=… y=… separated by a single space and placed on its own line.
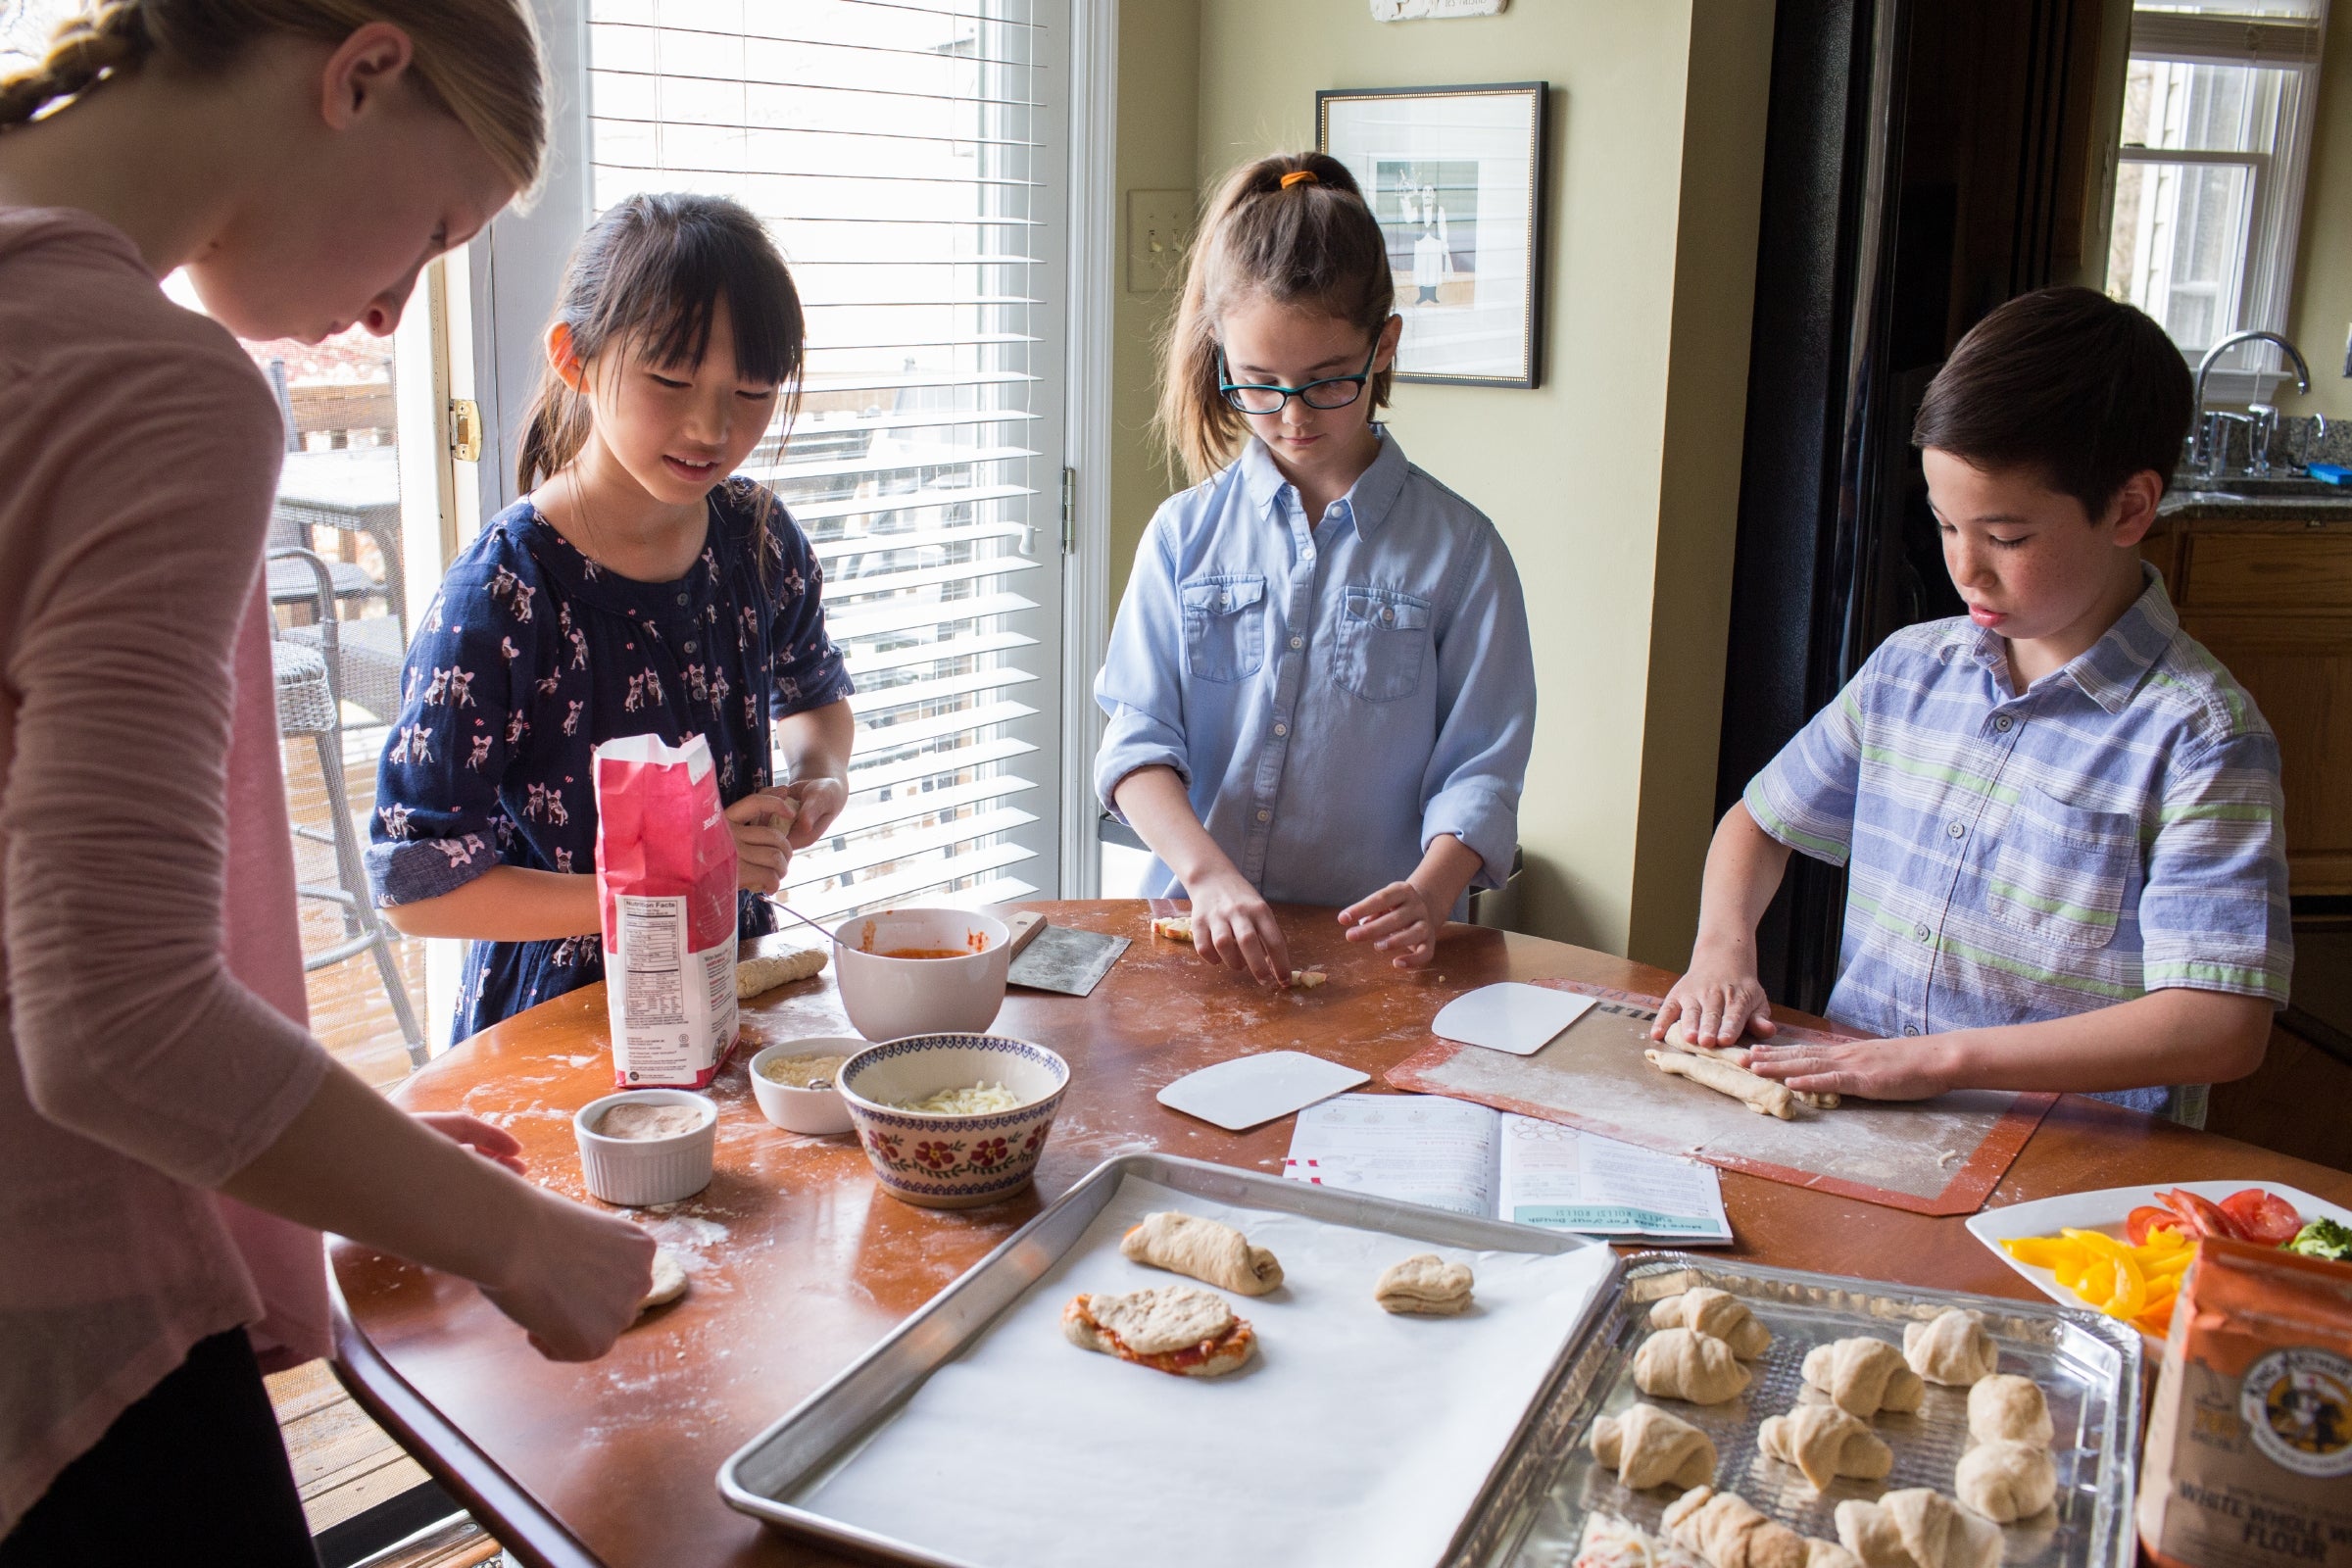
x=653 y=951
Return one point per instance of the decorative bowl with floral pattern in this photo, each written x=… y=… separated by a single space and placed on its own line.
x=939 y=1159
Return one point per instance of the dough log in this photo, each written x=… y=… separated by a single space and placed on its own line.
x=1649 y=1448
x=1681 y=1040
x=1953 y=1349
x=756 y=975
x=2005 y=1481
x=1917 y=1528
x=1864 y=1376
x=1202 y=1250
x=1760 y=1095
x=2005 y=1407
x=1678 y=1364
x=1425 y=1285
x=1825 y=1443
x=1718 y=1314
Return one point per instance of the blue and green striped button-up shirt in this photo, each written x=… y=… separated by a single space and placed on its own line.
x=2115 y=829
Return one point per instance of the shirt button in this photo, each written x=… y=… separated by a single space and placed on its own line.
x=1387 y=612
x=1951 y=829
x=1224 y=601
x=1911 y=1029
x=2003 y=723
x=1282 y=729
x=1265 y=816
x=1921 y=931
x=1297 y=642
x=690 y=645
x=684 y=599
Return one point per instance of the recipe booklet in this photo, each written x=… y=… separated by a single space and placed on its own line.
x=1453 y=1153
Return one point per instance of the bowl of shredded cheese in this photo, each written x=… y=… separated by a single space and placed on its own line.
x=954 y=1120
x=795 y=1084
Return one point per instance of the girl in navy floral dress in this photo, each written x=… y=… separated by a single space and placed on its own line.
x=636 y=589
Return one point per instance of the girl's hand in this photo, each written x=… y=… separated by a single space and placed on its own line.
x=818 y=800
x=762 y=822
x=1874 y=1069
x=1395 y=919
x=1716 y=1001
x=1235 y=927
x=493 y=1144
x=574 y=1281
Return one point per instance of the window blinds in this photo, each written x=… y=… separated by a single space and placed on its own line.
x=895 y=149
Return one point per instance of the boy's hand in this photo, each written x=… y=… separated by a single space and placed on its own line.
x=1235 y=927
x=762 y=822
x=1716 y=1001
x=1874 y=1069
x=1395 y=919
x=818 y=800
x=491 y=1142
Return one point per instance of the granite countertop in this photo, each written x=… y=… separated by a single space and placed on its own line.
x=2225 y=505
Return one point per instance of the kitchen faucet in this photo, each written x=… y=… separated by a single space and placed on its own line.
x=2203 y=452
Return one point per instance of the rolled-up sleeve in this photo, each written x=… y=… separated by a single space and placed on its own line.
x=1485 y=715
x=465 y=718
x=126 y=1024
x=1805 y=797
x=1140 y=690
x=2214 y=912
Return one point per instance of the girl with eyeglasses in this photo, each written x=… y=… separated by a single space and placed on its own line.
x=1319 y=686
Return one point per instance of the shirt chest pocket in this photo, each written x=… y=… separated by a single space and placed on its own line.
x=1383 y=642
x=1224 y=626
x=2060 y=871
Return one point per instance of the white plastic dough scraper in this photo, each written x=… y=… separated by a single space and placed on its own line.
x=1512 y=1016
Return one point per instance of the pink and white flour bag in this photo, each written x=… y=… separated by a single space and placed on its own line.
x=666 y=876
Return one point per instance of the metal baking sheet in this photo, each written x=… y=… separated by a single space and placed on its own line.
x=2088 y=1365
x=788 y=1473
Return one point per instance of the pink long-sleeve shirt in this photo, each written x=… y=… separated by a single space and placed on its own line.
x=149 y=1046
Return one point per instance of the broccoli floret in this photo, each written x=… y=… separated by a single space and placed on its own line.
x=2324 y=1238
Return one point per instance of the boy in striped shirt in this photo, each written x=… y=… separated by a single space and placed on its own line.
x=2060 y=815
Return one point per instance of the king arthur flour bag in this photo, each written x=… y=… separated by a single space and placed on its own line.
x=666 y=876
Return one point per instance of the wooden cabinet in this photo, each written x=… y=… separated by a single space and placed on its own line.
x=2270 y=597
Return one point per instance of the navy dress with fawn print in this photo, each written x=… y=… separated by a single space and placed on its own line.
x=531 y=655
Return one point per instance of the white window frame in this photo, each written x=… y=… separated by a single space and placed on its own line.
x=2279 y=176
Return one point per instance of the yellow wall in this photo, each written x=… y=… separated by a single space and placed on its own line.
x=2322 y=313
x=1616 y=483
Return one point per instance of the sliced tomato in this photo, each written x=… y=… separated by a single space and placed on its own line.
x=2266 y=1218
x=2204 y=1216
x=2148 y=1218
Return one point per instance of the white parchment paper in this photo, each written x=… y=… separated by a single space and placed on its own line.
x=1351 y=1437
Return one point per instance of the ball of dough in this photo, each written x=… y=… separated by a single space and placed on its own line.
x=1718 y=1314
x=1678 y=1364
x=1649 y=1447
x=2005 y=1481
x=670 y=1281
x=1954 y=1349
x=1864 y=1376
x=2007 y=1407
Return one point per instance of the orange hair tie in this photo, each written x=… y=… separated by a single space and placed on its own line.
x=1298 y=174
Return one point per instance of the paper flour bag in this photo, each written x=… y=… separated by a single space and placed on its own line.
x=666 y=876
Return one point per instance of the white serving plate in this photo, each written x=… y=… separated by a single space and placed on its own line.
x=2106 y=1210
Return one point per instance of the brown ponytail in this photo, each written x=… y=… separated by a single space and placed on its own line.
x=1293 y=228
x=480 y=60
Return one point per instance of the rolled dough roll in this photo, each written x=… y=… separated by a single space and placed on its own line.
x=1204 y=1250
x=1952 y=1349
x=1864 y=1376
x=1825 y=1443
x=1760 y=1095
x=1718 y=1314
x=1678 y=1364
x=1917 y=1528
x=1730 y=1532
x=1649 y=1448
x=2005 y=1481
x=2005 y=1407
x=1425 y=1285
x=1679 y=1038
x=756 y=975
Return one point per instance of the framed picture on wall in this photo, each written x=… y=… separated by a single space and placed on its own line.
x=1456 y=176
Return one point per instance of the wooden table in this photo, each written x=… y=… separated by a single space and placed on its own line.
x=801 y=1263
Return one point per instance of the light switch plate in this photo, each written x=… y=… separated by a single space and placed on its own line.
x=1159 y=222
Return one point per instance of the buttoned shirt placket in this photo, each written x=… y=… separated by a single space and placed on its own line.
x=1290 y=669
x=2003 y=723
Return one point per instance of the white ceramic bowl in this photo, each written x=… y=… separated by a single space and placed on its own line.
x=819 y=1113
x=638 y=1171
x=946 y=1161
x=890 y=998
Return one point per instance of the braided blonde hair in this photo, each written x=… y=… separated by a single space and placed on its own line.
x=480 y=60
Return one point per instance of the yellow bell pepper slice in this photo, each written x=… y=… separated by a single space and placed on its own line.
x=2039 y=1252
x=2130 y=1295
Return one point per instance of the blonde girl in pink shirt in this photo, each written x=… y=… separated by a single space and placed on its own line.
x=165 y=1121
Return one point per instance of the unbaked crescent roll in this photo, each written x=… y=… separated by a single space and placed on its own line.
x=1204 y=1250
x=1719 y=1314
x=2007 y=1407
x=2005 y=1481
x=1864 y=1376
x=1759 y=1095
x=1825 y=1443
x=1917 y=1528
x=1728 y=1531
x=1649 y=1448
x=1953 y=1349
x=1678 y=1364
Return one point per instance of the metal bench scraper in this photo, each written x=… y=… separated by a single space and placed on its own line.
x=1057 y=958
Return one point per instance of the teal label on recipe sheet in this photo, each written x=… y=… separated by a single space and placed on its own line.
x=1583 y=1217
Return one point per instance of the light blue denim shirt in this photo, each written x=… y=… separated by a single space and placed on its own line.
x=1334 y=696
